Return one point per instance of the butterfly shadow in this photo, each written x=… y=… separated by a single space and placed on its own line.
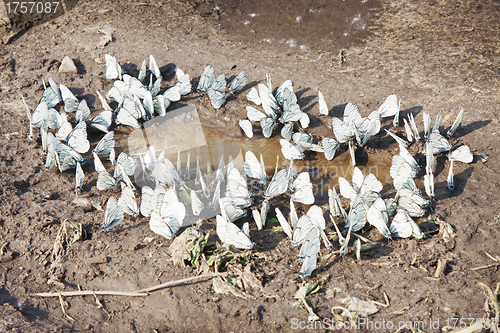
x=90 y=99
x=80 y=67
x=337 y=111
x=415 y=110
x=464 y=130
x=460 y=181
x=30 y=311
x=168 y=71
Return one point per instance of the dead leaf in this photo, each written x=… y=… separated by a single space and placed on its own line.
x=362 y=308
x=223 y=287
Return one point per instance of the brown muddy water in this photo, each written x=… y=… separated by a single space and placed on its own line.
x=209 y=144
x=294 y=25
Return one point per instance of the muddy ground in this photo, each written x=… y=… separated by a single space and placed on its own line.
x=437 y=56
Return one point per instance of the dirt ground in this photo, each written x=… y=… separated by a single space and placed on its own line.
x=436 y=55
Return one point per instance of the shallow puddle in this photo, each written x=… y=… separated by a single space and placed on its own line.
x=181 y=130
x=296 y=25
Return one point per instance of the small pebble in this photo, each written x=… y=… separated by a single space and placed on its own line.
x=68 y=66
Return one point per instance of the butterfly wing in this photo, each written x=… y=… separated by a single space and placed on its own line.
x=112 y=215
x=323 y=108
x=238 y=83
x=246 y=126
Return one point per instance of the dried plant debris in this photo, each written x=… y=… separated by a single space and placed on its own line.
x=301 y=295
x=68 y=234
x=189 y=247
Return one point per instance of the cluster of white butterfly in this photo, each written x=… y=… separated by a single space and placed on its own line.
x=434 y=143
x=215 y=88
x=64 y=146
x=165 y=205
x=280 y=106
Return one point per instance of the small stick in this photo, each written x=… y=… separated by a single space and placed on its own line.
x=4 y=247
x=62 y=307
x=90 y=292
x=364 y=239
x=491 y=257
x=182 y=281
x=386 y=299
x=440 y=268
x=484 y=267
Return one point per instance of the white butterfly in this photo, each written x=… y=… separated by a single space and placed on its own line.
x=461 y=154
x=427 y=124
x=255 y=169
x=164 y=226
x=253 y=96
x=257 y=218
x=106 y=144
x=335 y=204
x=154 y=67
x=267 y=125
x=304 y=120
x=183 y=82
x=77 y=138
x=51 y=94
x=279 y=93
x=105 y=181
x=172 y=207
x=313 y=219
x=429 y=184
x=360 y=185
x=378 y=217
x=302 y=189
x=456 y=123
x=323 y=108
x=269 y=103
x=277 y=185
x=403 y=226
x=206 y=80
x=398 y=139
x=79 y=176
x=356 y=219
x=127 y=114
x=128 y=163
x=405 y=154
x=411 y=202
x=438 y=143
x=217 y=98
x=246 y=126
x=196 y=204
x=283 y=222
x=82 y=112
x=286 y=131
x=308 y=252
x=71 y=103
x=101 y=121
x=230 y=234
x=290 y=151
x=410 y=134
x=112 y=215
x=236 y=186
x=390 y=107
x=330 y=146
x=98 y=166
x=400 y=171
x=255 y=115
x=151 y=200
x=238 y=83
x=113 y=69
x=127 y=201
